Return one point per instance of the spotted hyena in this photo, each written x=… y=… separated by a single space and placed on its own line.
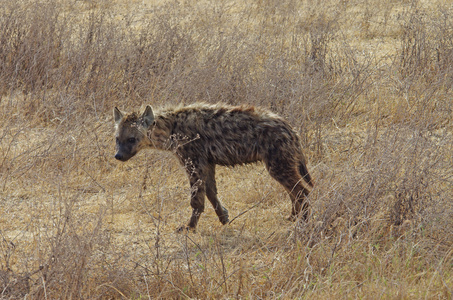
x=203 y=136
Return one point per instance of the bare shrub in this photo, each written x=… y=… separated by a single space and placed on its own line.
x=426 y=47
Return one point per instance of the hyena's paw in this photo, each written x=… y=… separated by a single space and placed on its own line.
x=185 y=229
x=291 y=218
x=224 y=218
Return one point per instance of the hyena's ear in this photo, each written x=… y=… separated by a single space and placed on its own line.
x=148 y=117
x=117 y=115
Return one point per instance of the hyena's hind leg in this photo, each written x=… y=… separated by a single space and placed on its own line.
x=211 y=193
x=296 y=187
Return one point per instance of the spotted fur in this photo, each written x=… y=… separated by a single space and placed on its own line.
x=203 y=136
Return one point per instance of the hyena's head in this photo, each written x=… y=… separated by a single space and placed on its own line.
x=131 y=132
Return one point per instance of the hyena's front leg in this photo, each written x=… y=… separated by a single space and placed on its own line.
x=202 y=182
x=198 y=192
x=197 y=178
x=211 y=193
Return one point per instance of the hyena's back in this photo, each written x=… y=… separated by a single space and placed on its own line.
x=237 y=135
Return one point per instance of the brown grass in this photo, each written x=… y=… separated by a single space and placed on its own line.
x=367 y=84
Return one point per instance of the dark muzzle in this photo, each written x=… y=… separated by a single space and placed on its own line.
x=121 y=157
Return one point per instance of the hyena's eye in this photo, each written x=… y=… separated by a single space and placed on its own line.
x=131 y=140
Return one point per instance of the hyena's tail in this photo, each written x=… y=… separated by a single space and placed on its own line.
x=304 y=173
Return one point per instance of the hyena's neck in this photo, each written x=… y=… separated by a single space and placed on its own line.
x=159 y=134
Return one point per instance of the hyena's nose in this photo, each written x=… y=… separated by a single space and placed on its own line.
x=118 y=156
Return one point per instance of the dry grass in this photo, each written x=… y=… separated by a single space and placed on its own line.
x=367 y=84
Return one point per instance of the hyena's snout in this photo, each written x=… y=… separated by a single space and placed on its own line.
x=124 y=154
x=120 y=156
